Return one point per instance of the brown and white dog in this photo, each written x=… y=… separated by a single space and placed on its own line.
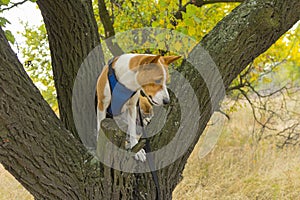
x=136 y=72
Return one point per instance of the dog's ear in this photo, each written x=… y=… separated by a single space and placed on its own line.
x=170 y=59
x=141 y=60
x=147 y=59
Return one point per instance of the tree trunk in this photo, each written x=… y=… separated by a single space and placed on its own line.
x=38 y=149
x=72 y=34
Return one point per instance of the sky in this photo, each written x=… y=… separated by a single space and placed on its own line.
x=26 y=12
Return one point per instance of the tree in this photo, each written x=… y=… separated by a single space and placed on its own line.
x=45 y=154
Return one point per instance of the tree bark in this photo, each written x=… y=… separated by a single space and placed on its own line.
x=72 y=34
x=38 y=149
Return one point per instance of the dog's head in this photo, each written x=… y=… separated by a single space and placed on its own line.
x=152 y=75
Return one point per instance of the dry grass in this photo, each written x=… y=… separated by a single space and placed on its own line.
x=10 y=188
x=235 y=169
x=239 y=169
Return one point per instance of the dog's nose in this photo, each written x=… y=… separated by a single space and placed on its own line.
x=166 y=101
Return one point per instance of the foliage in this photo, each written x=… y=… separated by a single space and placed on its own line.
x=36 y=53
x=4 y=21
x=282 y=57
x=277 y=67
x=10 y=37
x=196 y=21
x=38 y=62
x=4 y=2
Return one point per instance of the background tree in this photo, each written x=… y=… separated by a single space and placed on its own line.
x=41 y=151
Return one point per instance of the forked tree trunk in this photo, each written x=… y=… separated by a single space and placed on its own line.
x=50 y=161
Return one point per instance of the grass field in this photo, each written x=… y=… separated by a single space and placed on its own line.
x=10 y=189
x=237 y=168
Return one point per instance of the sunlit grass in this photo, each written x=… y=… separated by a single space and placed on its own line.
x=238 y=168
x=10 y=188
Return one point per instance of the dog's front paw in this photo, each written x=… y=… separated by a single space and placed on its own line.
x=146 y=120
x=140 y=155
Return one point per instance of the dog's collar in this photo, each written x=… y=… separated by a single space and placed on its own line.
x=119 y=93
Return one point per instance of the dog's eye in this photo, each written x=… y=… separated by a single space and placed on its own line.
x=158 y=81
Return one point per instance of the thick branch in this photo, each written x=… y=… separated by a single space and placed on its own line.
x=117 y=136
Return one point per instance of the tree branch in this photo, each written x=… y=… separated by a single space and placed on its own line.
x=200 y=3
x=118 y=137
x=109 y=30
x=105 y=19
x=14 y=5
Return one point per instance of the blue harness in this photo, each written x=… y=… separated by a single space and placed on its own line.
x=119 y=93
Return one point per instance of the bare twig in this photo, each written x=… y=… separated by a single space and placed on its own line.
x=200 y=3
x=14 y=5
x=223 y=113
x=264 y=125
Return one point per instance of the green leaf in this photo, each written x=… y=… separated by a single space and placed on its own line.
x=4 y=2
x=3 y=21
x=197 y=19
x=163 y=3
x=189 y=22
x=10 y=37
x=191 y=10
x=267 y=80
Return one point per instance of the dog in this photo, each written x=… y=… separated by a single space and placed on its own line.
x=123 y=79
